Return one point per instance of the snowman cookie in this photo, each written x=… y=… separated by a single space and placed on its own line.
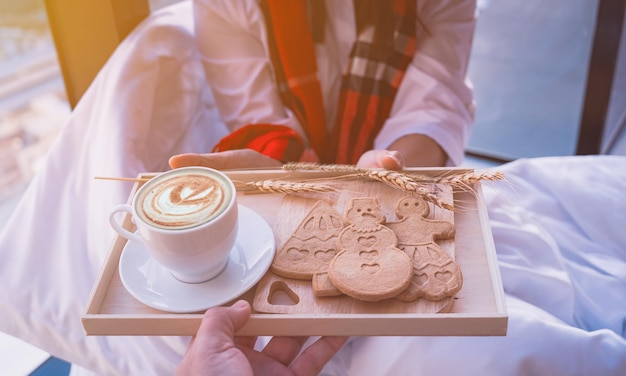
x=369 y=266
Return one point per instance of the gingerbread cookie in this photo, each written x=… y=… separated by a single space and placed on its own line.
x=311 y=247
x=369 y=266
x=435 y=274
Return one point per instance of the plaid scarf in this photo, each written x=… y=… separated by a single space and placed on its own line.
x=370 y=84
x=368 y=88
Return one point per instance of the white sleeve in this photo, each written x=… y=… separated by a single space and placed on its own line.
x=232 y=40
x=434 y=97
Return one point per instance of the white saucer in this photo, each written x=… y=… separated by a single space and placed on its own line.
x=153 y=285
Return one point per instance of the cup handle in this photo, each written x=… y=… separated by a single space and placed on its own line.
x=117 y=227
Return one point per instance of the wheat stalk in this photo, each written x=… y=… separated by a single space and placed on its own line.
x=310 y=166
x=451 y=177
x=351 y=169
x=288 y=187
x=404 y=182
x=394 y=179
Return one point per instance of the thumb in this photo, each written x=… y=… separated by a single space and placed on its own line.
x=221 y=323
x=387 y=159
x=214 y=341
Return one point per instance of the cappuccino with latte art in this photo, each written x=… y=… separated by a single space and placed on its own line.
x=187 y=219
x=183 y=200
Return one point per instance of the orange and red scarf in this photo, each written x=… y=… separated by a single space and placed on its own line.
x=368 y=88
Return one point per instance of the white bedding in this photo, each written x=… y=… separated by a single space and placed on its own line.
x=559 y=226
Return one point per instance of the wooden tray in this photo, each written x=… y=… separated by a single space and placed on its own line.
x=477 y=310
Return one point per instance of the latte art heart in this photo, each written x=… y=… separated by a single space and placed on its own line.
x=184 y=201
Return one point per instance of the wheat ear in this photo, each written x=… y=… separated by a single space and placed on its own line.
x=466 y=180
x=281 y=186
x=404 y=182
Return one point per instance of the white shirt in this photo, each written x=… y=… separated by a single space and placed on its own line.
x=434 y=97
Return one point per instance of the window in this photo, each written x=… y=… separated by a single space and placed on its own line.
x=33 y=107
x=529 y=68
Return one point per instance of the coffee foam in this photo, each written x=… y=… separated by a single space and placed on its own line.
x=184 y=200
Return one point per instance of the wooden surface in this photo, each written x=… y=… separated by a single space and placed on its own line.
x=478 y=309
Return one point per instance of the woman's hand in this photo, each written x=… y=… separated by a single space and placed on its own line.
x=231 y=159
x=215 y=351
x=413 y=150
x=418 y=150
x=387 y=159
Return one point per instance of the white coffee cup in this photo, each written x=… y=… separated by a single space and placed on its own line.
x=187 y=219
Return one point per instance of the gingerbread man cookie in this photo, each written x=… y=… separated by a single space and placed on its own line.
x=369 y=266
x=435 y=274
